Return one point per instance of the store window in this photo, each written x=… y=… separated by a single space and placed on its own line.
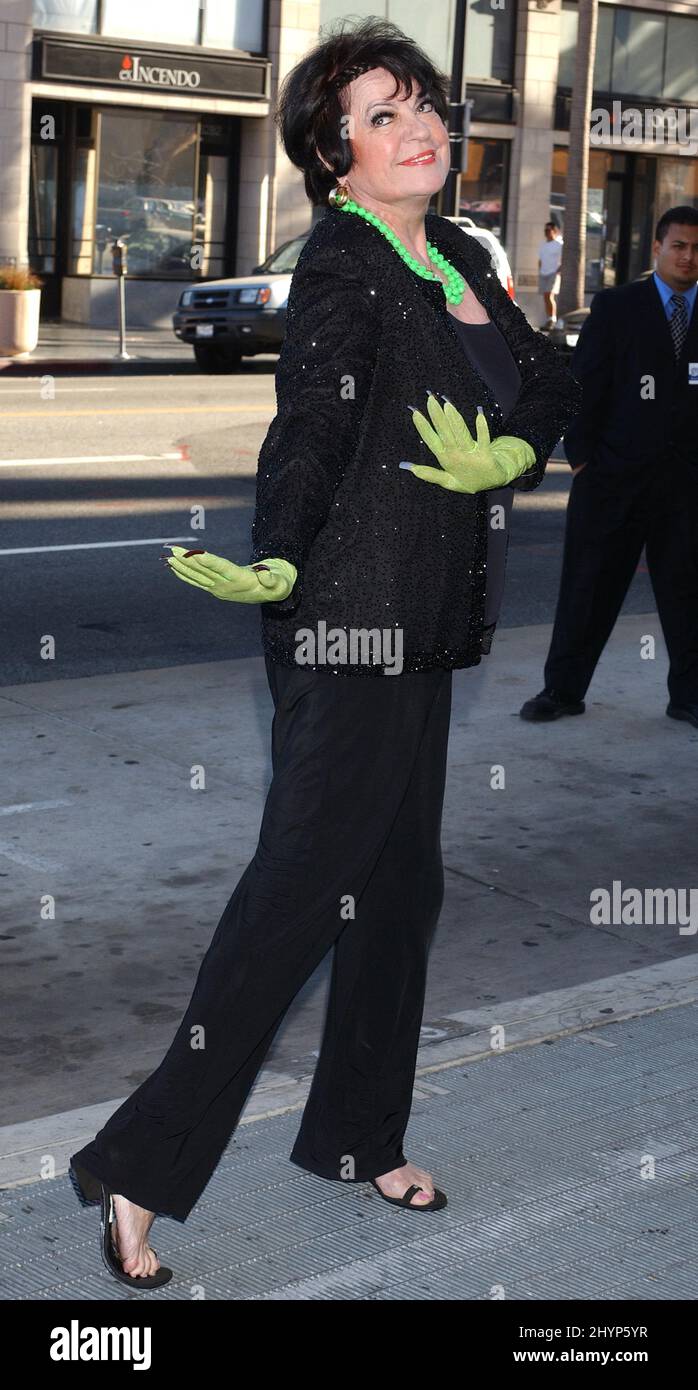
x=43 y=202
x=626 y=194
x=159 y=20
x=227 y=24
x=212 y=198
x=82 y=217
x=234 y=24
x=431 y=26
x=598 y=255
x=145 y=189
x=489 y=41
x=48 y=137
x=681 y=68
x=677 y=183
x=489 y=30
x=637 y=53
x=157 y=181
x=483 y=185
x=568 y=46
x=69 y=16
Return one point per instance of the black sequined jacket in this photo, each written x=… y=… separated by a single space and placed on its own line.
x=374 y=546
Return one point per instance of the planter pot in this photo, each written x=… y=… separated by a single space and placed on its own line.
x=19 y=321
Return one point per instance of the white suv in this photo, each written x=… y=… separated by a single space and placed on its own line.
x=488 y=239
x=246 y=314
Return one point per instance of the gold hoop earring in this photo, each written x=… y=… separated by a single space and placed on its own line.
x=339 y=195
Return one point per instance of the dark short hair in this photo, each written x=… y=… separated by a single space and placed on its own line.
x=683 y=215
x=313 y=96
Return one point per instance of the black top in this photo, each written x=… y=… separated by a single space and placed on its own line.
x=375 y=546
x=489 y=354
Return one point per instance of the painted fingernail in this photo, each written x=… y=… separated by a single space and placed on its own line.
x=429 y=393
x=481 y=410
x=187 y=553
x=447 y=400
x=404 y=465
x=261 y=567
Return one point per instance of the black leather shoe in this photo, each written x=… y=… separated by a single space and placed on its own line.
x=549 y=704
x=688 y=712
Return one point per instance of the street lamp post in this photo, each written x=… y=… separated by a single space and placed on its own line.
x=451 y=189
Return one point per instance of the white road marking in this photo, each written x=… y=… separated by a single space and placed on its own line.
x=31 y=806
x=179 y=457
x=60 y=390
x=99 y=545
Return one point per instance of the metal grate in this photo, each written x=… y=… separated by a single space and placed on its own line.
x=538 y=1149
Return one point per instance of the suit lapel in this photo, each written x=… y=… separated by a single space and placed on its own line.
x=690 y=347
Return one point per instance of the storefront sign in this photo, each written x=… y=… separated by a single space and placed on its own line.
x=133 y=69
x=155 y=69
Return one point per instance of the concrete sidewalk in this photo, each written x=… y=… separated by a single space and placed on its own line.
x=103 y=818
x=571 y=1172
x=74 y=347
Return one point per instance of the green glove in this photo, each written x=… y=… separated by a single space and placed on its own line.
x=467 y=464
x=259 y=583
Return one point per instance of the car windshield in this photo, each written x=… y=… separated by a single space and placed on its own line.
x=284 y=260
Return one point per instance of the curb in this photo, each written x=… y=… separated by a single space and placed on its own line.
x=95 y=366
x=464 y=1037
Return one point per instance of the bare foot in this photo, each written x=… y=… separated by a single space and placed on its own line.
x=129 y=1234
x=396 y=1182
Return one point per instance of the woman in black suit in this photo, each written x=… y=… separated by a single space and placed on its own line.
x=379 y=542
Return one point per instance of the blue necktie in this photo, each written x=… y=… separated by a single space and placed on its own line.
x=678 y=323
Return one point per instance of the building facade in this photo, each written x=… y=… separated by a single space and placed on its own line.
x=152 y=120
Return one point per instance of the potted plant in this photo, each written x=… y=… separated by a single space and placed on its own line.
x=20 y=296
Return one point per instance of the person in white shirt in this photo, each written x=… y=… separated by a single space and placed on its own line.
x=549 y=261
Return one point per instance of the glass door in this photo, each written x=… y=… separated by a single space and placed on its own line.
x=641 y=232
x=46 y=171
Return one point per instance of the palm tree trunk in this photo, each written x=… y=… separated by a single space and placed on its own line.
x=574 y=250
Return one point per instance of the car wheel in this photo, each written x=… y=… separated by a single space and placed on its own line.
x=210 y=358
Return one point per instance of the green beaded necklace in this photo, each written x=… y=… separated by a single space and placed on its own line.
x=454 y=289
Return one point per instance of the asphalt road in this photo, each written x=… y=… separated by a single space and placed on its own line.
x=97 y=474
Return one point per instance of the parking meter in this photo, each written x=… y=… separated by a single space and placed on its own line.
x=101 y=236
x=119 y=253
x=119 y=266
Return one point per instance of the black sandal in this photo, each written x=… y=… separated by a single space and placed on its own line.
x=439 y=1200
x=90 y=1190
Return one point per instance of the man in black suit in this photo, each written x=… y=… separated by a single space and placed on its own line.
x=633 y=450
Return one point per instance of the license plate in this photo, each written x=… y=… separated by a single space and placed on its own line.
x=204 y=330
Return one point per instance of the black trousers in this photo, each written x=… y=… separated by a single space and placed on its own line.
x=349 y=856
x=608 y=522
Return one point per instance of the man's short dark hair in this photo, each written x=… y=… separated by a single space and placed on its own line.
x=683 y=215
x=313 y=97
